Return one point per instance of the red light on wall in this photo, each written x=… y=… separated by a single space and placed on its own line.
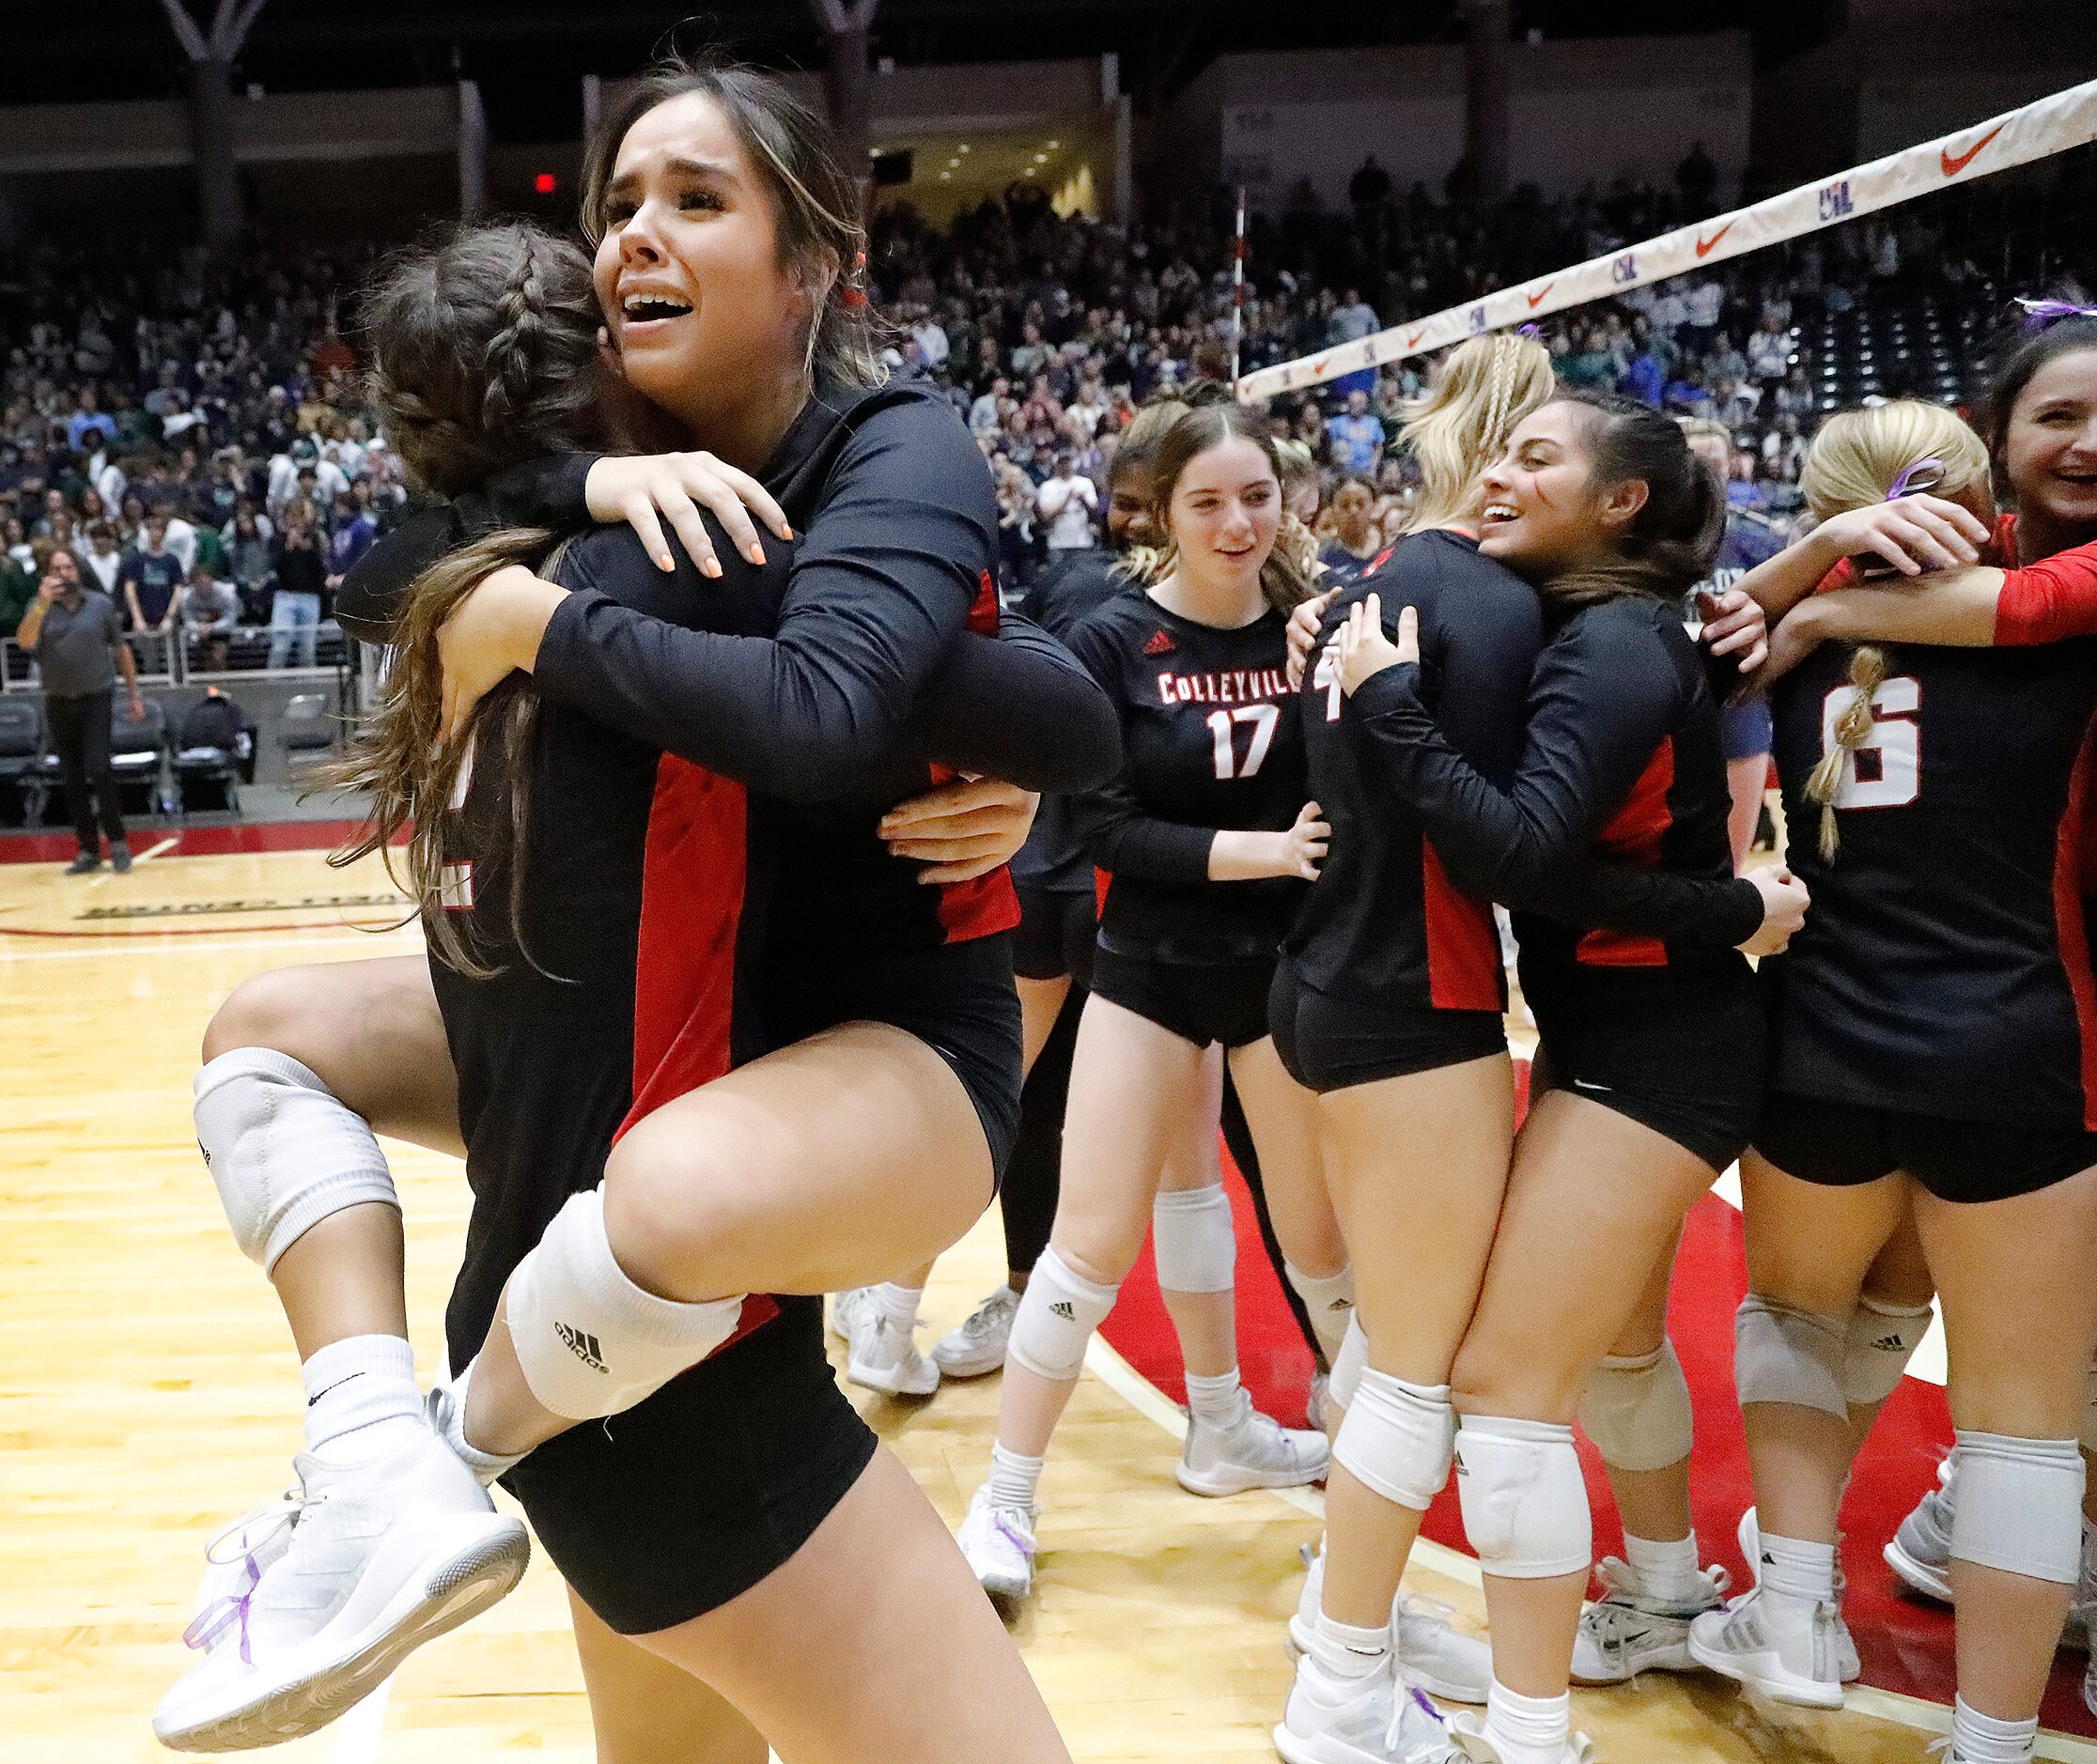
x=545 y=183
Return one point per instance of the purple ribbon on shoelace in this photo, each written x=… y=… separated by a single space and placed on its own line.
x=212 y=1623
x=1906 y=484
x=2040 y=314
x=1024 y=1545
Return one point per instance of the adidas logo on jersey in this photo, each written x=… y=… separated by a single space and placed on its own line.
x=584 y=1347
x=1063 y=1308
x=1160 y=643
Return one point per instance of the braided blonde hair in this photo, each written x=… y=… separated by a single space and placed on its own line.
x=1861 y=457
x=1483 y=389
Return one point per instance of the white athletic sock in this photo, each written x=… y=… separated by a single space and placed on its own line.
x=447 y=1415
x=360 y=1399
x=1015 y=1480
x=1796 y=1569
x=1214 y=1402
x=1346 y=1653
x=1527 y=1729
x=899 y=1304
x=1978 y=1739
x=1666 y=1569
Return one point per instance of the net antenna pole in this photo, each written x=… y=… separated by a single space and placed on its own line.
x=1237 y=289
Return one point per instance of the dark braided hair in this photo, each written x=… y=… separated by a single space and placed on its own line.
x=484 y=351
x=1673 y=541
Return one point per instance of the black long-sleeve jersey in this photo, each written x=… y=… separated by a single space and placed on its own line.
x=1945 y=966
x=1209 y=743
x=1061 y=600
x=1622 y=759
x=896 y=527
x=1388 y=921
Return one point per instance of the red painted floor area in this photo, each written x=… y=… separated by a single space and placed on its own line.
x=1905 y=1642
x=44 y=846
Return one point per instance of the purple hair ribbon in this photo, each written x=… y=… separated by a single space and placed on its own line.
x=1921 y=475
x=1527 y=330
x=2040 y=314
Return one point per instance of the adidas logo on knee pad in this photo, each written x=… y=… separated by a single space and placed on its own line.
x=1063 y=1308
x=583 y=1346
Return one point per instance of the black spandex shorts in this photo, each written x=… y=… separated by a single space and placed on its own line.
x=1198 y=1001
x=1055 y=935
x=1688 y=1061
x=958 y=998
x=1842 y=1144
x=694 y=1495
x=1330 y=1043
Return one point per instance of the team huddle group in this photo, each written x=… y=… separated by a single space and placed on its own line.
x=712 y=840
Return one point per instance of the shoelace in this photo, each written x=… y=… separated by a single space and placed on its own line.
x=987 y=1318
x=229 y=1608
x=1402 y=1705
x=1018 y=1541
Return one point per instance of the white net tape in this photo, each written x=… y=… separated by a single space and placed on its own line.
x=2050 y=125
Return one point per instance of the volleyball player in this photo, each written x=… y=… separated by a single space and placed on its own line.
x=742 y=124
x=1205 y=842
x=1945 y=788
x=1388 y=1003
x=1650 y=1056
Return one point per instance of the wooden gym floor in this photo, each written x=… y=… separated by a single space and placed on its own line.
x=149 y=1394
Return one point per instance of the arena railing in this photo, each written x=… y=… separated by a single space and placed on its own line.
x=2017 y=137
x=184 y=657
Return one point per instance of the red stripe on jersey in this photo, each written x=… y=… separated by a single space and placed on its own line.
x=983 y=612
x=1463 y=942
x=684 y=982
x=981 y=908
x=2069 y=930
x=1102 y=881
x=692 y=901
x=1632 y=837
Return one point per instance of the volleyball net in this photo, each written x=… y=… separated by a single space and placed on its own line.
x=2035 y=132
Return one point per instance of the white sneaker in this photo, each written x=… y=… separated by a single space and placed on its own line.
x=976 y=1344
x=1470 y=1734
x=846 y=1305
x=1848 y=1664
x=1377 y=1720
x=999 y=1543
x=1253 y=1451
x=1920 y=1551
x=379 y=1559
x=1432 y=1652
x=884 y=1357
x=1629 y=1630
x=1783 y=1647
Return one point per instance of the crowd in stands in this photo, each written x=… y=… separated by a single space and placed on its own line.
x=193 y=429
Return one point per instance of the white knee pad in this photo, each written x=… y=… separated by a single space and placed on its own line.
x=1525 y=1502
x=588 y=1340
x=1882 y=1340
x=1349 y=1364
x=283 y=1149
x=1330 y=1300
x=2089 y=1417
x=1635 y=1408
x=1786 y=1355
x=1398 y=1438
x=2019 y=1506
x=1194 y=1240
x=1057 y=1315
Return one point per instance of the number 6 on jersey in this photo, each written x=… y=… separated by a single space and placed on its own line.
x=1895 y=743
x=1264 y=718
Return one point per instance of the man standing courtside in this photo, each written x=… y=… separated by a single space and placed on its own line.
x=77 y=637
